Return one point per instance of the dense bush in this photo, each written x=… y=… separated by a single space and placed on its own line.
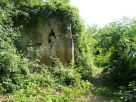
x=128 y=94
x=13 y=67
x=58 y=84
x=116 y=47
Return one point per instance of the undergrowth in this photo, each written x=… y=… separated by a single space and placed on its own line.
x=58 y=84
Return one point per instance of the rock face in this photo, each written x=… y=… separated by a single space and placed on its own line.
x=49 y=41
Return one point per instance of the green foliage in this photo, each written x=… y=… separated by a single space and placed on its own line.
x=53 y=84
x=48 y=94
x=18 y=2
x=85 y=42
x=116 y=45
x=13 y=67
x=13 y=71
x=65 y=76
x=26 y=79
x=129 y=94
x=113 y=46
x=62 y=1
x=28 y=15
x=104 y=91
x=84 y=53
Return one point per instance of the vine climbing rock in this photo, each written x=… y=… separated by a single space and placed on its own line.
x=48 y=40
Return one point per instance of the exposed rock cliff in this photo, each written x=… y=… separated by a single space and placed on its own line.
x=49 y=41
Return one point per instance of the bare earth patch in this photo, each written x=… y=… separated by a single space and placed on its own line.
x=93 y=99
x=3 y=98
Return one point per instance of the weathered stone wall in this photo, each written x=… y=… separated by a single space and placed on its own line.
x=49 y=41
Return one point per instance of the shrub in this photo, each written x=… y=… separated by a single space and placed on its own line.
x=129 y=94
x=117 y=54
x=13 y=67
